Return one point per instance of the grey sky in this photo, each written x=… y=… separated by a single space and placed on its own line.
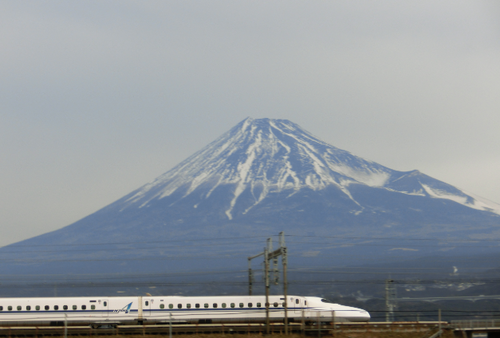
x=100 y=97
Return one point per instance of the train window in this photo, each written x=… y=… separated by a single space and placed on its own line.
x=65 y=307
x=92 y=307
x=84 y=307
x=283 y=304
x=259 y=305
x=223 y=305
x=106 y=303
x=241 y=305
x=275 y=304
x=28 y=308
x=205 y=305
x=197 y=306
x=179 y=306
x=19 y=308
x=215 y=305
x=56 y=307
x=147 y=303
x=162 y=306
x=188 y=306
x=9 y=308
x=37 y=307
x=305 y=302
x=296 y=301
x=1 y=308
x=233 y=305
x=47 y=307
x=170 y=306
x=250 y=304
x=74 y=307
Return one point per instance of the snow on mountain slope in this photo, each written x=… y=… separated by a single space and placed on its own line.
x=418 y=184
x=467 y=199
x=269 y=156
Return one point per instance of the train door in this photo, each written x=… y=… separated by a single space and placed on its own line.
x=147 y=306
x=297 y=305
x=105 y=307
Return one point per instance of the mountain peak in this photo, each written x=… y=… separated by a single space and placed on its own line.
x=265 y=156
x=262 y=157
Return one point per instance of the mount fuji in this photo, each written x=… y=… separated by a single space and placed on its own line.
x=265 y=176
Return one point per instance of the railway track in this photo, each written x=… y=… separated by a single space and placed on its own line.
x=230 y=328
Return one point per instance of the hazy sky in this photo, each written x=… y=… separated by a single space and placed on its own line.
x=100 y=97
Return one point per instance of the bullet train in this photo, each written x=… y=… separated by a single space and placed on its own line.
x=112 y=311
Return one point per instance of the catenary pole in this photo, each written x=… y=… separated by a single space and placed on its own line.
x=266 y=265
x=284 y=261
x=250 y=273
x=269 y=254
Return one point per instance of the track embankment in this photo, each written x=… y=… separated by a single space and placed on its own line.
x=339 y=330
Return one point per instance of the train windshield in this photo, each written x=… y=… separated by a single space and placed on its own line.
x=327 y=301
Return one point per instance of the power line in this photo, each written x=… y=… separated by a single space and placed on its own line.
x=245 y=238
x=139 y=242
x=397 y=238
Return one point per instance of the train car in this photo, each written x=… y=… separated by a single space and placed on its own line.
x=101 y=311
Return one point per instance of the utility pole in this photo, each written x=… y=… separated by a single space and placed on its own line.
x=266 y=268
x=250 y=272
x=284 y=261
x=266 y=278
x=270 y=254
x=390 y=300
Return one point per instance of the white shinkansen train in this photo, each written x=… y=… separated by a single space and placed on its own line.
x=99 y=311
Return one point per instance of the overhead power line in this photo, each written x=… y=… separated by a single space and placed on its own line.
x=230 y=241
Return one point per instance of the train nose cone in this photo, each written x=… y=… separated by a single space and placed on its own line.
x=364 y=315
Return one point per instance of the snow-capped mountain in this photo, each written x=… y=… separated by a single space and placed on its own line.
x=264 y=157
x=265 y=176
